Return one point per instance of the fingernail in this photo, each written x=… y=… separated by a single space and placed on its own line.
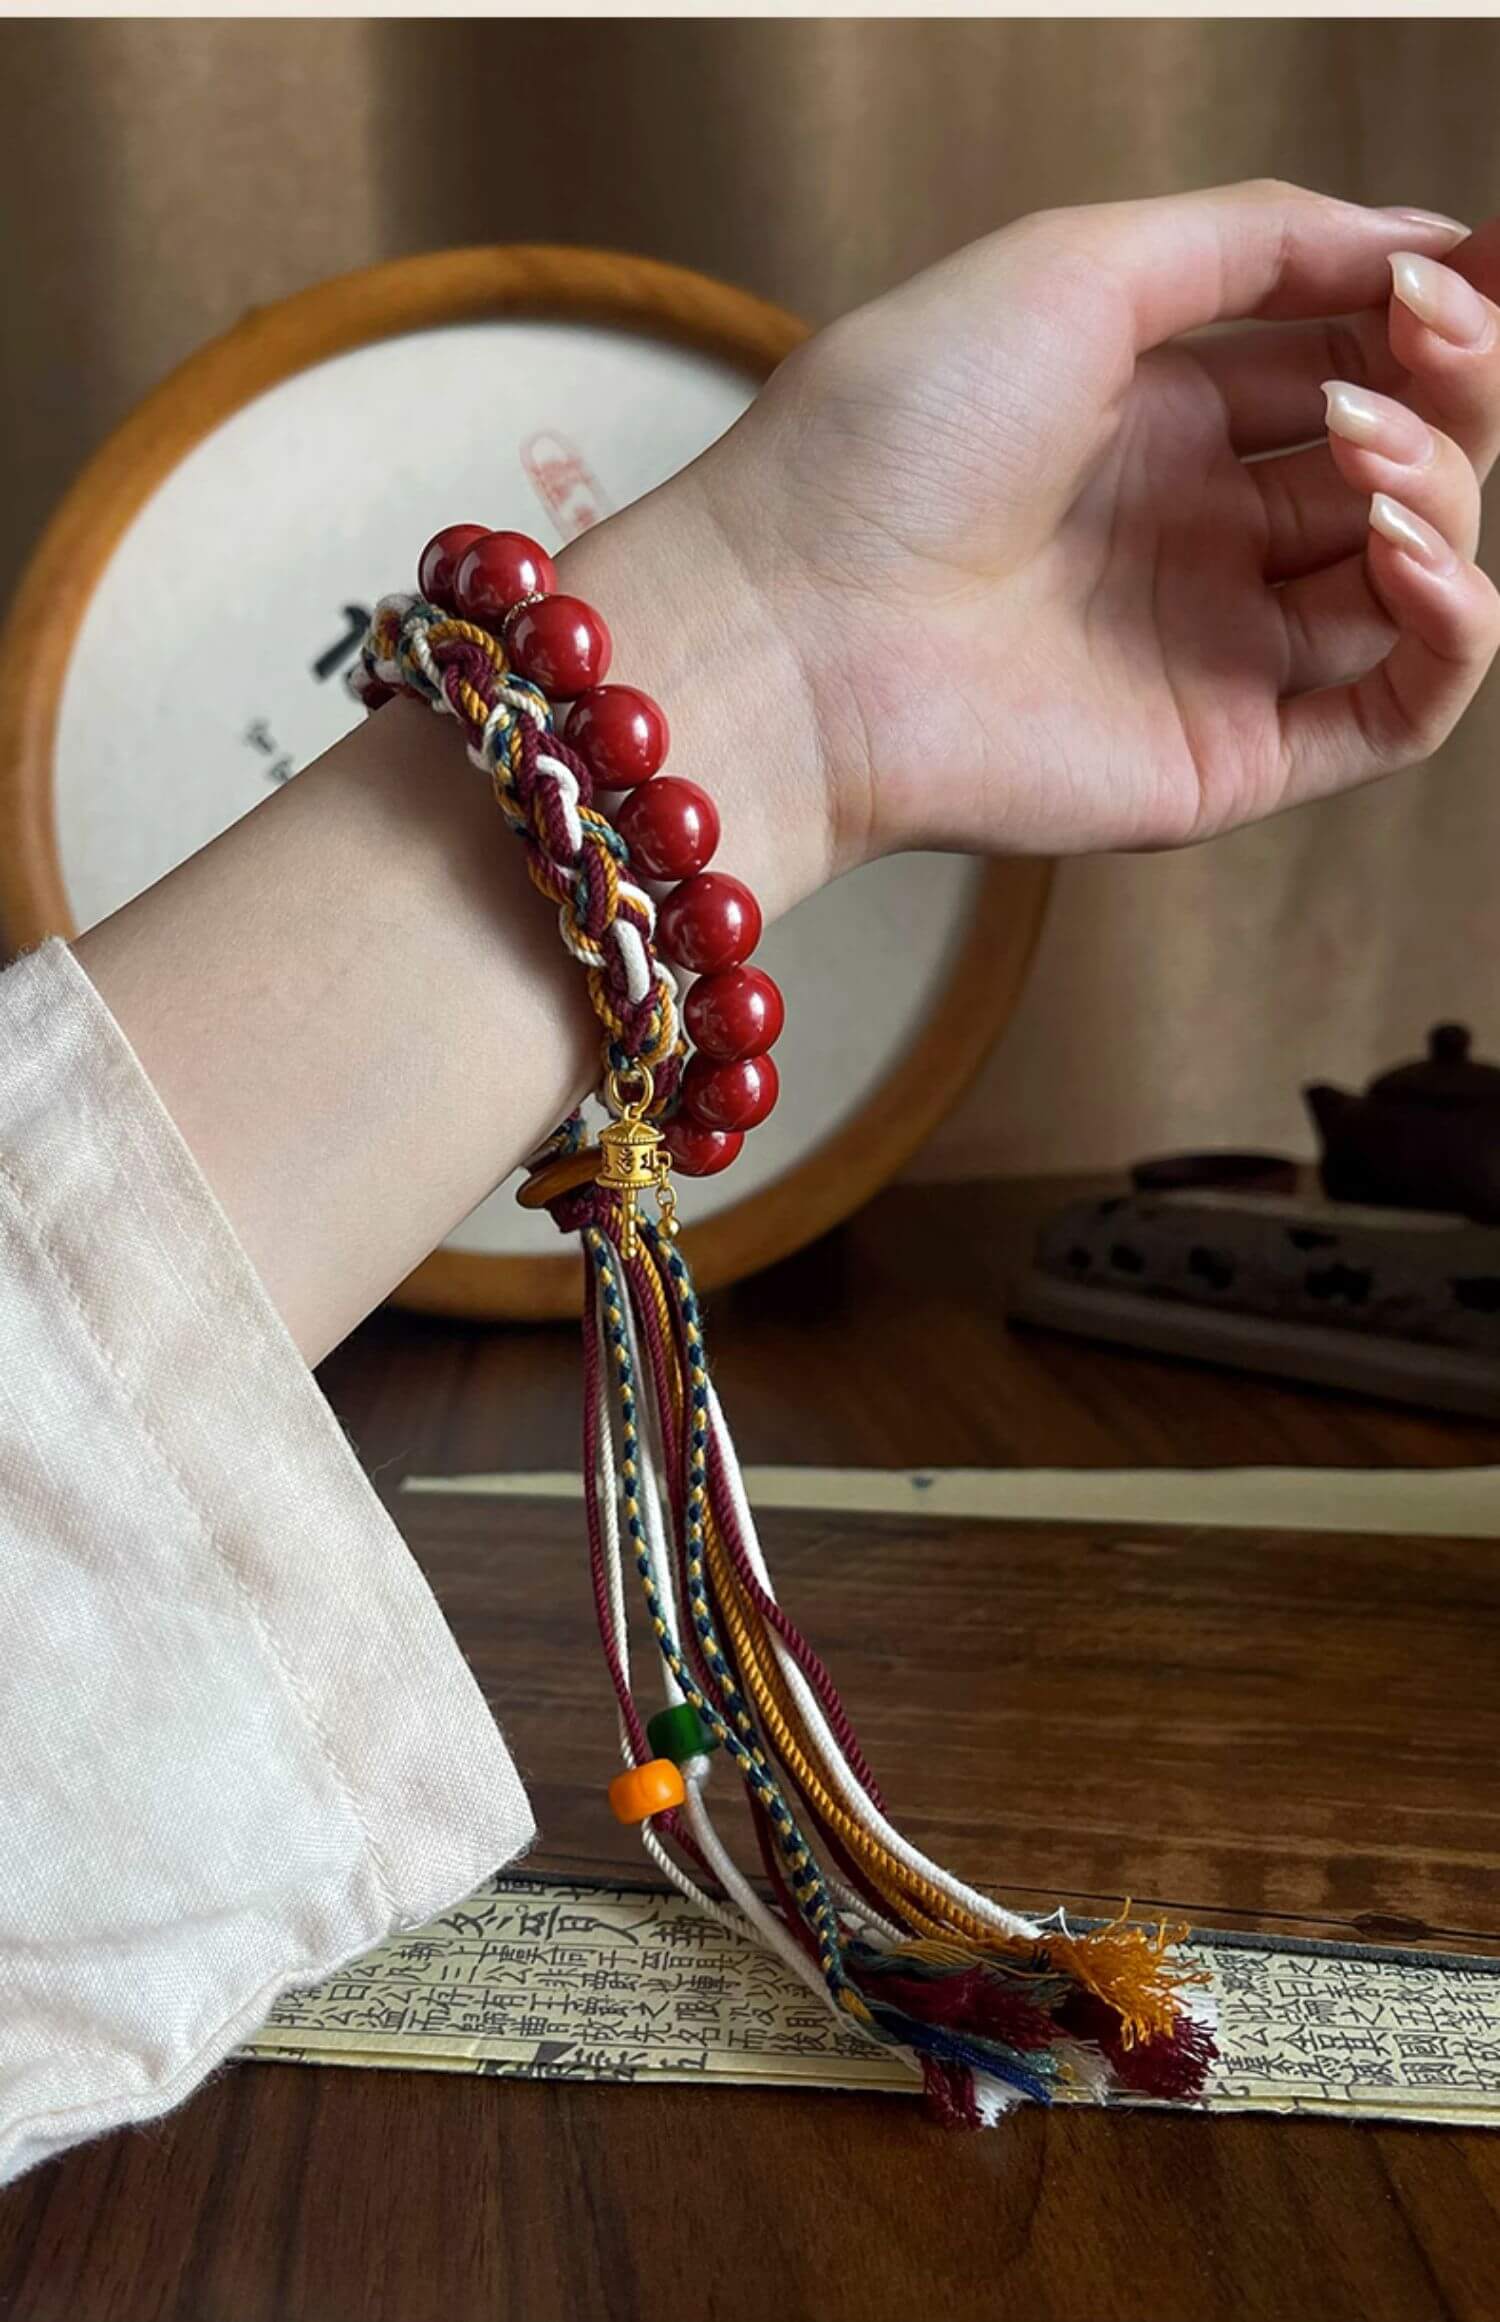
x=1441 y=299
x=1378 y=423
x=1434 y=222
x=1408 y=533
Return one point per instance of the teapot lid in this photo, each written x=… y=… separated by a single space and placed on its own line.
x=1448 y=1076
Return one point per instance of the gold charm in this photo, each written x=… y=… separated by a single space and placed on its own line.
x=633 y=1158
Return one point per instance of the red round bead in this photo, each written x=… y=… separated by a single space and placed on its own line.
x=700 y=1152
x=739 y=1012
x=437 y=566
x=561 y=644
x=670 y=826
x=496 y=571
x=622 y=733
x=730 y=1096
x=709 y=922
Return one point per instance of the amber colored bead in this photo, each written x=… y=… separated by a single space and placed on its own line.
x=730 y=1096
x=621 y=732
x=670 y=826
x=496 y=571
x=642 y=1791
x=560 y=643
x=709 y=922
x=738 y=1012
x=437 y=566
x=700 y=1152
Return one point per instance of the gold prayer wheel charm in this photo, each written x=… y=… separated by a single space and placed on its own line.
x=633 y=1158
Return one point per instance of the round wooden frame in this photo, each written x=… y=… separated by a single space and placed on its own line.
x=272 y=344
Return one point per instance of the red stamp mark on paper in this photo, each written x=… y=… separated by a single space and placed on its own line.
x=565 y=484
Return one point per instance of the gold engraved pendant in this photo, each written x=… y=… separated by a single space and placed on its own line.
x=634 y=1159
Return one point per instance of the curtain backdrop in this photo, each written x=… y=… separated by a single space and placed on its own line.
x=159 y=177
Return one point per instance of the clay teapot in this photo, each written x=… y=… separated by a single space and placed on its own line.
x=1424 y=1136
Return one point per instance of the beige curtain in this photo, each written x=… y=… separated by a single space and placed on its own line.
x=157 y=178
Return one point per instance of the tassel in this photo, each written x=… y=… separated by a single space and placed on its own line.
x=989 y=2006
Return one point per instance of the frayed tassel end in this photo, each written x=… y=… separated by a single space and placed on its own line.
x=1173 y=2065
x=1127 y=1966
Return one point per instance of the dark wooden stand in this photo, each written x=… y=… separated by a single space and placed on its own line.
x=1285 y=1732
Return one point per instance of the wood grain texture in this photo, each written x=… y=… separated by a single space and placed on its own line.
x=1201 y=1720
x=272 y=344
x=1292 y=1732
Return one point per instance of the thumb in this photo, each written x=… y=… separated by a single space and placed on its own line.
x=1262 y=249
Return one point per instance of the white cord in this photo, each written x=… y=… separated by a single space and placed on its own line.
x=688 y=1887
x=770 y=1929
x=854 y=1906
x=565 y=785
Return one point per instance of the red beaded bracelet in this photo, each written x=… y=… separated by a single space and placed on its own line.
x=709 y=923
x=989 y=2005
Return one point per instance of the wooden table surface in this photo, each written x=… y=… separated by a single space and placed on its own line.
x=1294 y=1732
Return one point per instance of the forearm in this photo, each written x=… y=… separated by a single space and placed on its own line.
x=354 y=1004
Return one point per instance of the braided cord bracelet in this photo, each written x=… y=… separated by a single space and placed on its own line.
x=991 y=2007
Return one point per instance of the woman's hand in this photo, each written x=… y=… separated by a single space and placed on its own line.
x=1047 y=574
x=985 y=566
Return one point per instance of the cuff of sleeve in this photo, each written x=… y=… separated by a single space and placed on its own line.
x=314 y=1764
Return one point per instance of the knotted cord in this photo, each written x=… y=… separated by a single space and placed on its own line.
x=991 y=2006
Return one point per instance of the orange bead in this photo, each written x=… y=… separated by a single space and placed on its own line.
x=642 y=1791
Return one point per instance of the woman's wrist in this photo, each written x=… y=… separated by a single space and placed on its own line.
x=695 y=629
x=356 y=1010
x=354 y=1004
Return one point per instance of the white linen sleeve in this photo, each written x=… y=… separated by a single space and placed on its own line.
x=238 y=1745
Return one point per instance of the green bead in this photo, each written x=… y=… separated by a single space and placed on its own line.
x=679 y=1733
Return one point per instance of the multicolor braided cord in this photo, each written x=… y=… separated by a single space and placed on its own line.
x=990 y=2007
x=574 y=854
